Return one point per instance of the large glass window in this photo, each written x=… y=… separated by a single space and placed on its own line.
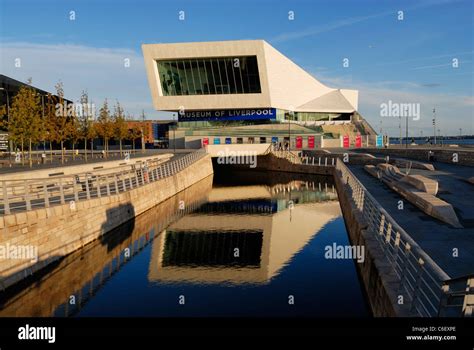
x=220 y=75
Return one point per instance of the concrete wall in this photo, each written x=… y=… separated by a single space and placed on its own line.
x=374 y=272
x=99 y=260
x=289 y=85
x=60 y=230
x=270 y=162
x=465 y=157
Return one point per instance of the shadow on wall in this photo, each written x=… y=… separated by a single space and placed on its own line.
x=114 y=233
x=113 y=224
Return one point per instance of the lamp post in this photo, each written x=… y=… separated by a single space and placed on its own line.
x=291 y=113
x=174 y=135
x=434 y=125
x=400 y=127
x=406 y=128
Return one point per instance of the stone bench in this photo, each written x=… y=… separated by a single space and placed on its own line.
x=422 y=183
x=418 y=190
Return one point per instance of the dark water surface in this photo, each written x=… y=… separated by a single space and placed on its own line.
x=225 y=247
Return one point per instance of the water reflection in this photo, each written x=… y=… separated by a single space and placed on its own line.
x=242 y=247
x=243 y=234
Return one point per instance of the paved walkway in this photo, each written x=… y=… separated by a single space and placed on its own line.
x=435 y=237
x=57 y=162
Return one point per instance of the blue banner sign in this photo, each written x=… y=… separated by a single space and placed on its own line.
x=274 y=139
x=217 y=141
x=228 y=141
x=228 y=114
x=379 y=141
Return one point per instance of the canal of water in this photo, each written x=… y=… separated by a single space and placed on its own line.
x=239 y=245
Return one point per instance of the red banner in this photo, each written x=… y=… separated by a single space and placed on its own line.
x=358 y=141
x=205 y=141
x=345 y=141
x=299 y=142
x=310 y=141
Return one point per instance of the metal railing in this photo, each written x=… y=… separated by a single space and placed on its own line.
x=299 y=159
x=24 y=195
x=419 y=278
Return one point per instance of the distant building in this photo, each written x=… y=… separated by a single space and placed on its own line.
x=156 y=132
x=9 y=87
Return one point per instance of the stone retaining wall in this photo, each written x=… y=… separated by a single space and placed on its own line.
x=464 y=157
x=97 y=261
x=60 y=230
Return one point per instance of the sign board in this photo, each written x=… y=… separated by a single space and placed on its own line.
x=310 y=141
x=228 y=114
x=345 y=141
x=228 y=141
x=274 y=139
x=358 y=141
x=217 y=141
x=299 y=142
x=4 y=142
x=205 y=141
x=379 y=141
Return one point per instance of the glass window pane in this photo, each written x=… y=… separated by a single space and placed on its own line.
x=238 y=73
x=225 y=78
x=196 y=78
x=189 y=76
x=245 y=74
x=203 y=75
x=226 y=75
x=182 y=78
x=231 y=74
x=210 y=77
x=169 y=78
x=217 y=76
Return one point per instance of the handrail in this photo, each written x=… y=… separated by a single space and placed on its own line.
x=301 y=160
x=420 y=279
x=128 y=163
x=24 y=195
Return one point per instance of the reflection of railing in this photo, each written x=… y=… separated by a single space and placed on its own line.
x=117 y=260
x=420 y=278
x=21 y=195
x=297 y=158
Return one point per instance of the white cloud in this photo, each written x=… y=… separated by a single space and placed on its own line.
x=100 y=71
x=327 y=27
x=452 y=111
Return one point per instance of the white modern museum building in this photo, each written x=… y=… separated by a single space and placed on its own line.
x=246 y=91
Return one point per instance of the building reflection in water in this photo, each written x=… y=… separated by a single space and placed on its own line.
x=243 y=234
x=268 y=224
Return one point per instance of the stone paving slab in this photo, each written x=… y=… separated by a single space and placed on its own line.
x=439 y=240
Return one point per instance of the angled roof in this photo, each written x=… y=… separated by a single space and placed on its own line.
x=333 y=101
x=284 y=85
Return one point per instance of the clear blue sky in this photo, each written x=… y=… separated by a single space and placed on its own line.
x=403 y=61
